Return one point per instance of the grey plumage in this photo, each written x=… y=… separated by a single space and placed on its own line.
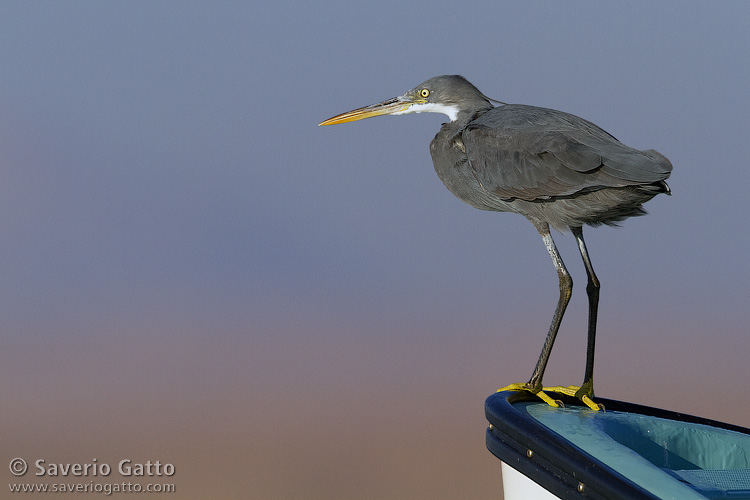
x=554 y=168
x=547 y=165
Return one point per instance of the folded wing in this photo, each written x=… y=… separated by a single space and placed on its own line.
x=534 y=153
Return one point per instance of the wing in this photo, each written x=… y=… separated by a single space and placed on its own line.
x=535 y=153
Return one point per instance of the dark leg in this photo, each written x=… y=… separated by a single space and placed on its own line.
x=566 y=290
x=534 y=385
x=592 y=289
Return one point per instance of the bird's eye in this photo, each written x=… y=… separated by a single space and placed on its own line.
x=424 y=93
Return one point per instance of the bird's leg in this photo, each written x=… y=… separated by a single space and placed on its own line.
x=586 y=391
x=566 y=290
x=534 y=385
x=592 y=289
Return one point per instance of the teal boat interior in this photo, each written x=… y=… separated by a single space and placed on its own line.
x=627 y=451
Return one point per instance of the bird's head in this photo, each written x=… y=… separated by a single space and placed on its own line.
x=451 y=95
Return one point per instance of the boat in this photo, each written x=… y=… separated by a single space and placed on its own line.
x=627 y=451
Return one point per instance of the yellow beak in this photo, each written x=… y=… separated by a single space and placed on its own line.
x=389 y=107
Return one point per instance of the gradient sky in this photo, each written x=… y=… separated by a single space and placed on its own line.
x=192 y=271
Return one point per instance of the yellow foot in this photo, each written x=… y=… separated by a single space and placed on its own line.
x=525 y=387
x=573 y=390
x=570 y=390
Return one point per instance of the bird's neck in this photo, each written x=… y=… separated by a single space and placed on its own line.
x=466 y=116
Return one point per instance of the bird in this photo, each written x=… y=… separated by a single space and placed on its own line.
x=556 y=169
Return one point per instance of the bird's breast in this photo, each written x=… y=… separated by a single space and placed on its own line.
x=455 y=171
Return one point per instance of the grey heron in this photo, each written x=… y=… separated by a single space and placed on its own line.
x=554 y=168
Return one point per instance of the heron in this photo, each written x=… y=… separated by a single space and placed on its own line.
x=554 y=168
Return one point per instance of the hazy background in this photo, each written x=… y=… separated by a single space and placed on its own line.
x=192 y=271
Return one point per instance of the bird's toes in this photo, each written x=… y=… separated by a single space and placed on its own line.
x=538 y=392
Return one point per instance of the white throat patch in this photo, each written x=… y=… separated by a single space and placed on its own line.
x=430 y=107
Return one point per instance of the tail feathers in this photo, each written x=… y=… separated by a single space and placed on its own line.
x=656 y=188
